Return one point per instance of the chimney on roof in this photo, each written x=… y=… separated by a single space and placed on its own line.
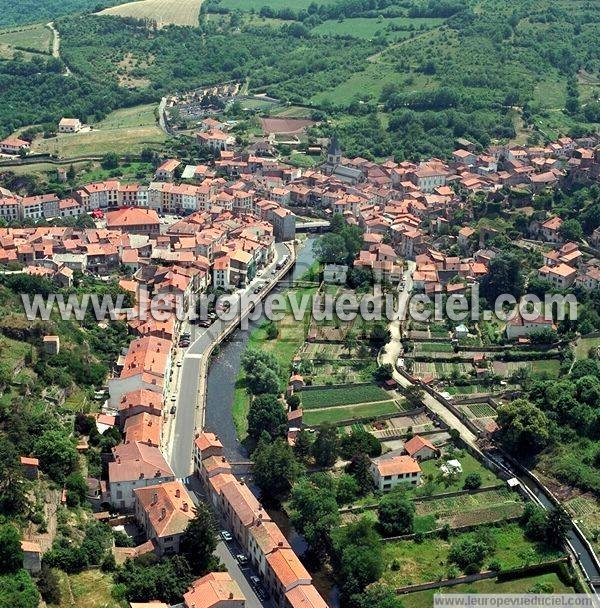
x=231 y=595
x=185 y=507
x=154 y=498
x=141 y=475
x=177 y=493
x=163 y=513
x=280 y=543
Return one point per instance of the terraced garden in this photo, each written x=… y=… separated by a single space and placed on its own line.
x=586 y=511
x=334 y=415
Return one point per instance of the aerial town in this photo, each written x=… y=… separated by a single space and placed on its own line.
x=429 y=402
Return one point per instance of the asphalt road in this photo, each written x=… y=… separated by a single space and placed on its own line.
x=187 y=416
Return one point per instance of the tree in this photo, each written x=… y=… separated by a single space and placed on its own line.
x=585 y=367
x=275 y=467
x=571 y=230
x=396 y=514
x=505 y=276
x=199 y=541
x=414 y=395
x=523 y=427
x=383 y=372
x=12 y=494
x=326 y=446
x=357 y=552
x=558 y=525
x=533 y=522
x=18 y=591
x=110 y=161
x=347 y=490
x=57 y=454
x=377 y=595
x=166 y=581
x=331 y=249
x=76 y=489
x=472 y=481
x=314 y=512
x=359 y=441
x=11 y=554
x=48 y=584
x=302 y=445
x=360 y=469
x=266 y=414
x=468 y=554
x=380 y=335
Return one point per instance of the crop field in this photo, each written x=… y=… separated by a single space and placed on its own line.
x=434 y=347
x=345 y=395
x=550 y=582
x=128 y=130
x=362 y=27
x=164 y=12
x=586 y=511
x=479 y=410
x=35 y=37
x=543 y=366
x=333 y=415
x=472 y=509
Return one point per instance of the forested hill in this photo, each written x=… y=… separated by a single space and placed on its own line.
x=18 y=12
x=392 y=77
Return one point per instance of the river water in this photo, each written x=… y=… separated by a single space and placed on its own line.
x=225 y=368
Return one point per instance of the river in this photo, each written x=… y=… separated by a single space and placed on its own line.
x=226 y=366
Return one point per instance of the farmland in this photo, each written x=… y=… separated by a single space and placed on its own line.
x=328 y=397
x=35 y=37
x=128 y=130
x=164 y=12
x=334 y=415
x=428 y=560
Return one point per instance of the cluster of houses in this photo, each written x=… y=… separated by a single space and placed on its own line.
x=287 y=580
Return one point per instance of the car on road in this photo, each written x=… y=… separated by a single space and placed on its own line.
x=173 y=409
x=173 y=397
x=242 y=559
x=179 y=364
x=254 y=581
x=226 y=536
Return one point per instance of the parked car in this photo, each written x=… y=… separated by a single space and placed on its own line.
x=242 y=559
x=254 y=581
x=226 y=536
x=173 y=409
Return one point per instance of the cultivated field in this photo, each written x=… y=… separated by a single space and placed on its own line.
x=123 y=131
x=35 y=37
x=333 y=415
x=329 y=397
x=164 y=12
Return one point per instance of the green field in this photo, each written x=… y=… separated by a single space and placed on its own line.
x=431 y=472
x=428 y=560
x=434 y=347
x=546 y=583
x=344 y=395
x=586 y=510
x=584 y=345
x=36 y=37
x=362 y=27
x=337 y=414
x=479 y=410
x=123 y=131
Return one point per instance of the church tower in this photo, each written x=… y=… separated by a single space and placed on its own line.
x=334 y=152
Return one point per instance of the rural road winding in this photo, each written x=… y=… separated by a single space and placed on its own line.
x=56 y=46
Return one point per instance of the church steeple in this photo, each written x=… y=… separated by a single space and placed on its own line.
x=334 y=152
